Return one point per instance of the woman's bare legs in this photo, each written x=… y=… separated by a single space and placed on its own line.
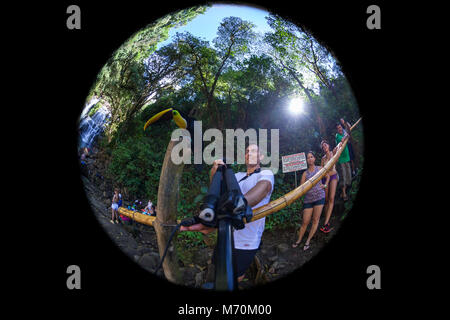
x=317 y=211
x=305 y=221
x=330 y=204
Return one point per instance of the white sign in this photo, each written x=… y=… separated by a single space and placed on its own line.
x=294 y=162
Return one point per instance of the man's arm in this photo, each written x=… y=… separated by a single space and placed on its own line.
x=340 y=143
x=214 y=168
x=258 y=192
x=348 y=128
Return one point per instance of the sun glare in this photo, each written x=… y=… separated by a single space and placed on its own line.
x=296 y=105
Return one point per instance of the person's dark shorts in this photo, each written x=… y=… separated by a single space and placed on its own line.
x=241 y=258
x=313 y=204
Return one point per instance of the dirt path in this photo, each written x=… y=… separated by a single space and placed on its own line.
x=137 y=241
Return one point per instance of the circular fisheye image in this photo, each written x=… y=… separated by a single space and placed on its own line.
x=221 y=147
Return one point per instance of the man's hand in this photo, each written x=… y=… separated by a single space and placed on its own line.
x=198 y=227
x=216 y=165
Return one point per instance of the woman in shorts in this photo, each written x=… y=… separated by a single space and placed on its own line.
x=312 y=203
x=115 y=207
x=330 y=187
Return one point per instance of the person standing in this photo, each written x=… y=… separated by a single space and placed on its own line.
x=312 y=203
x=115 y=207
x=331 y=186
x=149 y=208
x=344 y=162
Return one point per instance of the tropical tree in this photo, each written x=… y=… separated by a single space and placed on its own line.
x=298 y=53
x=206 y=64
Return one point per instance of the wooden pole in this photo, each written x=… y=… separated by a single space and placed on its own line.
x=166 y=217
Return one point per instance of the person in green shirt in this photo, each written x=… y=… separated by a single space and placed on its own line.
x=344 y=162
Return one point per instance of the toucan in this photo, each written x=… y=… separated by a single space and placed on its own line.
x=168 y=114
x=182 y=121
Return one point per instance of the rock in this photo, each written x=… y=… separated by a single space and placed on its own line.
x=199 y=278
x=189 y=276
x=149 y=261
x=283 y=247
x=141 y=249
x=273 y=258
x=154 y=254
x=282 y=260
x=131 y=252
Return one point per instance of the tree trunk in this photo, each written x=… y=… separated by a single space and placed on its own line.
x=168 y=195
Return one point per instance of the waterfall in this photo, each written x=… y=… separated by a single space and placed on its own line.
x=91 y=126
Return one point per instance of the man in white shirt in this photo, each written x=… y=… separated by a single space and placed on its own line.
x=257 y=187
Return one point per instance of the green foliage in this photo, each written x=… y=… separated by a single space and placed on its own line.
x=94 y=109
x=193 y=187
x=289 y=216
x=189 y=239
x=187 y=243
x=136 y=161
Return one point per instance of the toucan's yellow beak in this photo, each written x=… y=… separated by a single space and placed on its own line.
x=156 y=117
x=179 y=120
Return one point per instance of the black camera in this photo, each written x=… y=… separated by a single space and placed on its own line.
x=224 y=200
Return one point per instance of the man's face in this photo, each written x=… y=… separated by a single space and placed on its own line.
x=252 y=155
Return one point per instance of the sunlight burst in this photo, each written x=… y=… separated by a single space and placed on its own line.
x=296 y=105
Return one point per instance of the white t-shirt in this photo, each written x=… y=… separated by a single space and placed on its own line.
x=250 y=237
